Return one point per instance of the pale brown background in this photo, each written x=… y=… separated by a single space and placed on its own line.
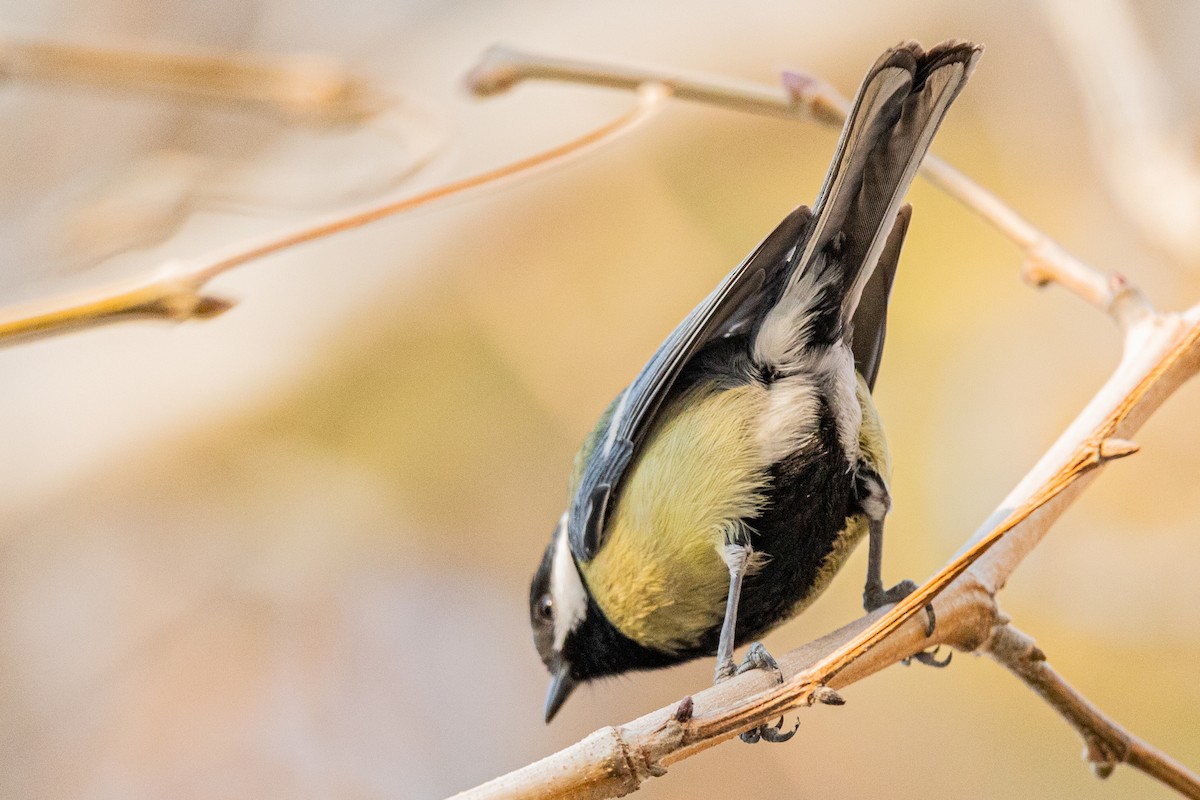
x=286 y=553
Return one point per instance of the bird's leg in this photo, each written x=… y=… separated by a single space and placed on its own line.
x=737 y=556
x=876 y=502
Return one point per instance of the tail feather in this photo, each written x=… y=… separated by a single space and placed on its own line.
x=870 y=318
x=897 y=110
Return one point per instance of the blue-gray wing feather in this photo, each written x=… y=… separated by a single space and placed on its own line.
x=732 y=306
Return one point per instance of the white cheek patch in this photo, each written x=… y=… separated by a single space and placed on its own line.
x=566 y=588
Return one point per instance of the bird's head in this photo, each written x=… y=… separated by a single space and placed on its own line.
x=558 y=606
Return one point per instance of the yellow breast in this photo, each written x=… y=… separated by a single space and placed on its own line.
x=660 y=578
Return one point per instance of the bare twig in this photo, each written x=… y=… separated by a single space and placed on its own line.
x=501 y=68
x=1046 y=261
x=615 y=761
x=1140 y=127
x=1106 y=743
x=1161 y=352
x=304 y=90
x=179 y=292
x=310 y=88
x=806 y=97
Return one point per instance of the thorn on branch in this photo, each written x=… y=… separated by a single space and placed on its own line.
x=1034 y=273
x=1113 y=448
x=495 y=73
x=685 y=710
x=814 y=97
x=827 y=696
x=1128 y=305
x=1103 y=763
x=183 y=300
x=209 y=306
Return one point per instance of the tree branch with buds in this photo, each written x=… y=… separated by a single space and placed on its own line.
x=1161 y=352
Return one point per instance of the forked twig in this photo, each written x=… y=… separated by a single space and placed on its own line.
x=179 y=291
x=1161 y=352
x=802 y=96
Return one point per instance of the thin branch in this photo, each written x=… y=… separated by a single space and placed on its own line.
x=178 y=292
x=615 y=761
x=1046 y=261
x=1141 y=131
x=311 y=89
x=1161 y=352
x=501 y=68
x=1106 y=743
x=804 y=96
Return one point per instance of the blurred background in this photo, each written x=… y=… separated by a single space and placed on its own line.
x=286 y=553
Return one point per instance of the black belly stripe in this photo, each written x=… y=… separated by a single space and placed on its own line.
x=812 y=494
x=811 y=498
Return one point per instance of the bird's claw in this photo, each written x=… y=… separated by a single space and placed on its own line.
x=770 y=733
x=757 y=657
x=929 y=658
x=874 y=597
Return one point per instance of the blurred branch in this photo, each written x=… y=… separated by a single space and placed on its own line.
x=179 y=291
x=500 y=68
x=1106 y=744
x=158 y=192
x=1146 y=145
x=1162 y=350
x=309 y=88
x=803 y=96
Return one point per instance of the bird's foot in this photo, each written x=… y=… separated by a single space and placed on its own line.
x=758 y=658
x=929 y=658
x=770 y=733
x=876 y=596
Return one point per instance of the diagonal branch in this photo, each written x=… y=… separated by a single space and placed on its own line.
x=615 y=761
x=1106 y=743
x=309 y=89
x=1161 y=352
x=803 y=96
x=179 y=291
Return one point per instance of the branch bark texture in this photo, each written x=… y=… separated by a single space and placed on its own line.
x=1161 y=352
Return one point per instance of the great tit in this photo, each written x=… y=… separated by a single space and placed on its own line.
x=723 y=488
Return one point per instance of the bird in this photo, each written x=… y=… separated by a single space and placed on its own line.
x=724 y=487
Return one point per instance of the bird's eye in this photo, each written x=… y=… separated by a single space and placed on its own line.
x=545 y=607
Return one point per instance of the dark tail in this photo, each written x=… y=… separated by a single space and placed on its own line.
x=897 y=110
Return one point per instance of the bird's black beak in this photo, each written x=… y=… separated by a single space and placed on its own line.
x=561 y=686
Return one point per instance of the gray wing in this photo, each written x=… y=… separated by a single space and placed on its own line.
x=895 y=114
x=732 y=306
x=870 y=318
